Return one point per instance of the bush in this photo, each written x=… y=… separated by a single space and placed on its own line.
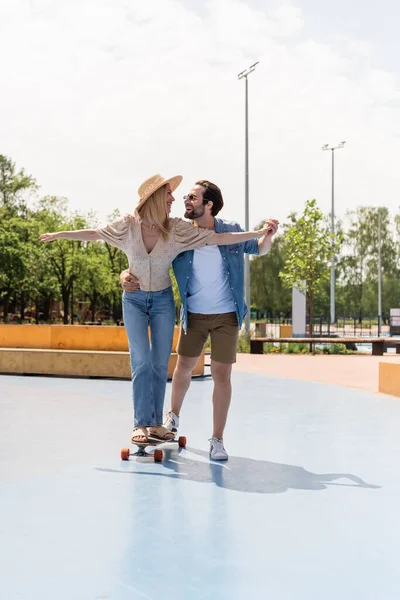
x=271 y=348
x=296 y=348
x=337 y=349
x=243 y=344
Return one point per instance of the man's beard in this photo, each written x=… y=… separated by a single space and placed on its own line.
x=194 y=214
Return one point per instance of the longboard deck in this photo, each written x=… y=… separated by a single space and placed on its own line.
x=157 y=454
x=154 y=442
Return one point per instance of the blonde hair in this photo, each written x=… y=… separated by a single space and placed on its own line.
x=154 y=210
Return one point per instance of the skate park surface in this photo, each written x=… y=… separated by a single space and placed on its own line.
x=305 y=507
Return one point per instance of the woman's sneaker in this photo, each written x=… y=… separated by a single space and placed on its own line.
x=171 y=421
x=217 y=450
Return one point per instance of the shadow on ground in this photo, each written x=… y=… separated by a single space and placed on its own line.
x=242 y=474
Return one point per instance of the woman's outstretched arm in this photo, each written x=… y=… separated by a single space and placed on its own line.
x=238 y=237
x=80 y=235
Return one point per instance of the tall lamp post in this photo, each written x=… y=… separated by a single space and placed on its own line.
x=244 y=75
x=332 y=149
x=379 y=274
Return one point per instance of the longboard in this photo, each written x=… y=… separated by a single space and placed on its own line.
x=157 y=454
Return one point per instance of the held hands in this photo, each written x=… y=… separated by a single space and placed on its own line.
x=48 y=237
x=129 y=282
x=269 y=229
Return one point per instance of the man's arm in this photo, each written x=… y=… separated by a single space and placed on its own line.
x=128 y=281
x=264 y=243
x=262 y=246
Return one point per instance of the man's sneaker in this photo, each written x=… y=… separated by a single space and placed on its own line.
x=217 y=450
x=171 y=421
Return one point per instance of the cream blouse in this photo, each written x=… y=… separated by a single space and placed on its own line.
x=152 y=269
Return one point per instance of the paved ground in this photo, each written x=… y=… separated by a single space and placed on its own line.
x=305 y=508
x=360 y=372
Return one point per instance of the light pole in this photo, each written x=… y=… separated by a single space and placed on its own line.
x=333 y=148
x=379 y=275
x=244 y=75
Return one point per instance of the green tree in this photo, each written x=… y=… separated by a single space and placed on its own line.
x=268 y=291
x=66 y=257
x=12 y=265
x=37 y=280
x=118 y=262
x=309 y=252
x=14 y=232
x=177 y=296
x=95 y=280
x=359 y=262
x=13 y=183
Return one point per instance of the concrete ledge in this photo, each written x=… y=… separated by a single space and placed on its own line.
x=77 y=363
x=68 y=337
x=389 y=378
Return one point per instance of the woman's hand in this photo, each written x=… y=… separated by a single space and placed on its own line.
x=49 y=237
x=264 y=243
x=270 y=227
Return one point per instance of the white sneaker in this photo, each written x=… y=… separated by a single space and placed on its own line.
x=171 y=421
x=217 y=450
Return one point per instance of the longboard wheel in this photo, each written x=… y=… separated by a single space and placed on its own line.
x=182 y=442
x=125 y=453
x=158 y=455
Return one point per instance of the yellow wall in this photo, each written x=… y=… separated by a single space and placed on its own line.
x=25 y=336
x=76 y=363
x=92 y=351
x=389 y=378
x=68 y=337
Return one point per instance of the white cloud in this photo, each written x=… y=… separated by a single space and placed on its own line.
x=100 y=94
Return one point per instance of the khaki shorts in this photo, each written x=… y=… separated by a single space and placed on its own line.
x=224 y=332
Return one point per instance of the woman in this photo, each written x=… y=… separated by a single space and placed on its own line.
x=151 y=240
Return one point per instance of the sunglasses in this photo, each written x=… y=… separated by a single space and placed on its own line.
x=190 y=197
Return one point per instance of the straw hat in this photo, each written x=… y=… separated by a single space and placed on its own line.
x=154 y=183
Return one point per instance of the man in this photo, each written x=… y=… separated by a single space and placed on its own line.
x=211 y=286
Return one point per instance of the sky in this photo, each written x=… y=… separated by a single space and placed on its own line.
x=98 y=95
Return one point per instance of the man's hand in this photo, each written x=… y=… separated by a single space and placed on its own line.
x=272 y=226
x=129 y=282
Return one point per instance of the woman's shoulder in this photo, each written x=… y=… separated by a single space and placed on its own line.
x=131 y=218
x=182 y=224
x=125 y=221
x=180 y=227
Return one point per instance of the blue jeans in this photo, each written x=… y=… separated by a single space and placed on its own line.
x=149 y=360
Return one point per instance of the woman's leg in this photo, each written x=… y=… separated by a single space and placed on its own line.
x=136 y=320
x=162 y=323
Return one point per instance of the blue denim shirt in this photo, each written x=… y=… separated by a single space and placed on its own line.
x=234 y=266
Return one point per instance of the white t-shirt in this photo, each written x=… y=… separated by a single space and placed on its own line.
x=209 y=292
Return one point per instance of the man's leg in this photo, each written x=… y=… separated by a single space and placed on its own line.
x=190 y=346
x=221 y=374
x=224 y=335
x=181 y=381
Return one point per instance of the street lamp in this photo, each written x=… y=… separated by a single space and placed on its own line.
x=333 y=148
x=379 y=275
x=243 y=75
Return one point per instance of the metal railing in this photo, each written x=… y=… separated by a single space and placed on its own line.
x=345 y=326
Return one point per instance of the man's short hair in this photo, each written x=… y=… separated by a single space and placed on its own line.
x=212 y=194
